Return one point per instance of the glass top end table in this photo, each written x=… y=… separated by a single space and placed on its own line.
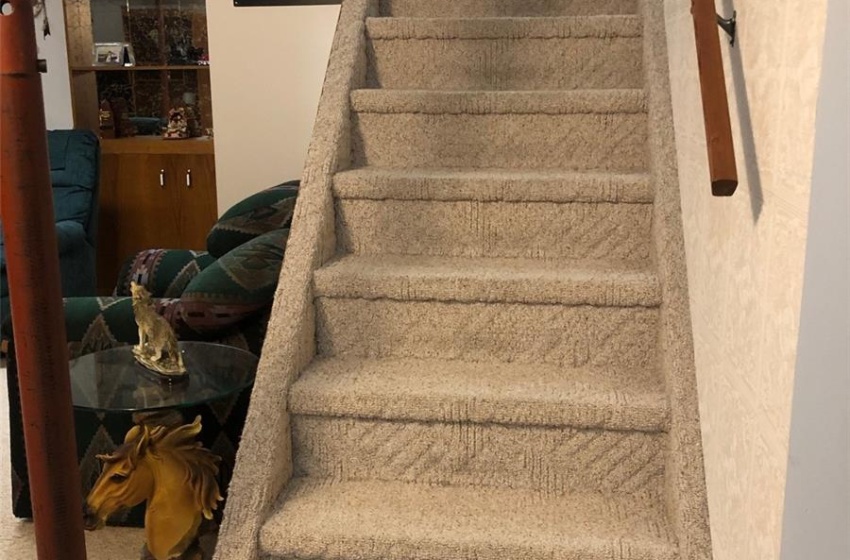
x=113 y=381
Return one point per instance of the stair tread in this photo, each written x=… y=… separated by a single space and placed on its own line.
x=492 y=185
x=602 y=26
x=393 y=520
x=432 y=390
x=604 y=101
x=501 y=8
x=484 y=279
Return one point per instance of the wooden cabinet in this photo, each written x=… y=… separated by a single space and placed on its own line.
x=154 y=194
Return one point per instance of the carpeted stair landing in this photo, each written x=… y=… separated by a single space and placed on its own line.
x=486 y=382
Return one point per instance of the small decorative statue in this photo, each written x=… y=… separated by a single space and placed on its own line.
x=115 y=119
x=178 y=125
x=182 y=124
x=107 y=120
x=166 y=466
x=157 y=349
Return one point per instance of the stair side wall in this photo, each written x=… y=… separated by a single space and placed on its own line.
x=264 y=461
x=687 y=502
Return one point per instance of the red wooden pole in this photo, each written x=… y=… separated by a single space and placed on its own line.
x=32 y=268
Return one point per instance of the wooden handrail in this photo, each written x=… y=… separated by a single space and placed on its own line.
x=715 y=104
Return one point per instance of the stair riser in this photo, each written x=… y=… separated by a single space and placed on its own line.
x=495 y=229
x=507 y=64
x=606 y=141
x=505 y=8
x=488 y=332
x=554 y=461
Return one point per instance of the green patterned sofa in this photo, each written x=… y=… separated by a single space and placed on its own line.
x=221 y=295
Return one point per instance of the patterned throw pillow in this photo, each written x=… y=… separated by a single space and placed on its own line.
x=165 y=273
x=237 y=285
x=267 y=210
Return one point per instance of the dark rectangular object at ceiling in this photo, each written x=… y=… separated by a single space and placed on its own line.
x=246 y=3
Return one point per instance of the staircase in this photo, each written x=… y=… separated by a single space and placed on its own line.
x=497 y=370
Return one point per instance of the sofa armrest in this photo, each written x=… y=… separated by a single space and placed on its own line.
x=165 y=273
x=70 y=235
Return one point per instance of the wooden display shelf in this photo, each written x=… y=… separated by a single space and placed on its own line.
x=157 y=145
x=138 y=68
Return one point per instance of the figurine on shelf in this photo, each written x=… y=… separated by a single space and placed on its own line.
x=157 y=349
x=107 y=120
x=182 y=123
x=115 y=119
x=178 y=127
x=166 y=466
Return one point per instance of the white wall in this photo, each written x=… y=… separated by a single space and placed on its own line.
x=56 y=82
x=746 y=255
x=817 y=495
x=267 y=69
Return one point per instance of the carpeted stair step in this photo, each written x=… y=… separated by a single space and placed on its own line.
x=535 y=230
x=494 y=213
x=399 y=521
x=504 y=8
x=542 y=428
x=418 y=278
x=505 y=332
x=491 y=185
x=490 y=325
x=597 y=52
x=482 y=392
x=584 y=129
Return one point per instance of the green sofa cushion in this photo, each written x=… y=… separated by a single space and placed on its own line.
x=262 y=212
x=237 y=285
x=70 y=236
x=73 y=173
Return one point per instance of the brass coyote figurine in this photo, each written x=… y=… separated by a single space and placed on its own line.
x=157 y=349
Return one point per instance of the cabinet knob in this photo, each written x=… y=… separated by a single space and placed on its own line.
x=162 y=178
x=188 y=178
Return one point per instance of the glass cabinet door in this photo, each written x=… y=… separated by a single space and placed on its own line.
x=151 y=54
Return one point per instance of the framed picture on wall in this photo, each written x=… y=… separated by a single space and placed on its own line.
x=113 y=54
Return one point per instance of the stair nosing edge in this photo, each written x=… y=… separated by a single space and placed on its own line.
x=488 y=187
x=625 y=101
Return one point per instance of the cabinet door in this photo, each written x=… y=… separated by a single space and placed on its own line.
x=194 y=209
x=135 y=202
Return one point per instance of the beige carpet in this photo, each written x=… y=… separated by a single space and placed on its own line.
x=481 y=347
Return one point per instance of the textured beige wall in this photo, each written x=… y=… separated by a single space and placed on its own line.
x=267 y=67
x=746 y=255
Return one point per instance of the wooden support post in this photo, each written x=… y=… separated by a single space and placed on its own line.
x=715 y=104
x=32 y=267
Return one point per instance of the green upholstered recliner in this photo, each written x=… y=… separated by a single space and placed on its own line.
x=74 y=177
x=221 y=295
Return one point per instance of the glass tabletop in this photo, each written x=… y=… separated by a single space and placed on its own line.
x=112 y=380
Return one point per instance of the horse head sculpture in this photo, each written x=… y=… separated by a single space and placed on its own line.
x=166 y=466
